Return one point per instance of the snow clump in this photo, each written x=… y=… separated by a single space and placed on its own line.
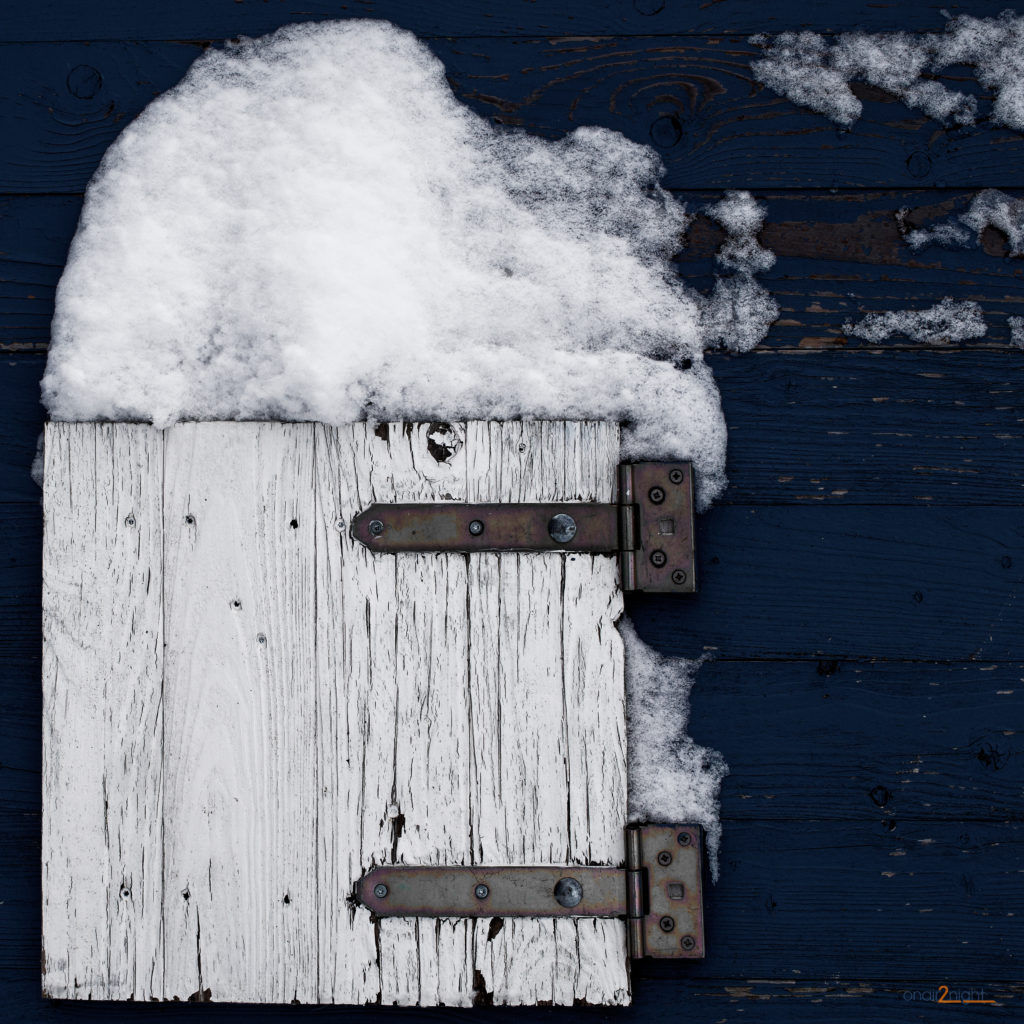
x=943 y=324
x=814 y=73
x=310 y=226
x=739 y=311
x=989 y=208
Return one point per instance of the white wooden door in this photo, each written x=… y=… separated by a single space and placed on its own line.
x=245 y=710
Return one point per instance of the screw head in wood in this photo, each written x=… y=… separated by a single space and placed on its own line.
x=568 y=892
x=476 y=527
x=656 y=495
x=676 y=476
x=666 y=924
x=129 y=520
x=658 y=558
x=481 y=892
x=679 y=577
x=261 y=638
x=376 y=527
x=687 y=942
x=380 y=890
x=190 y=519
x=664 y=858
x=562 y=528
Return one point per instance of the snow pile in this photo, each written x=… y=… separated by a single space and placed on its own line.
x=990 y=208
x=311 y=227
x=739 y=311
x=942 y=324
x=813 y=73
x=671 y=778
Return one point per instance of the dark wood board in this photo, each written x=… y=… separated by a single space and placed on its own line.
x=923 y=428
x=860 y=580
x=59 y=20
x=693 y=98
x=839 y=255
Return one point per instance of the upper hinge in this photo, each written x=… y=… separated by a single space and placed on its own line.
x=658 y=892
x=650 y=527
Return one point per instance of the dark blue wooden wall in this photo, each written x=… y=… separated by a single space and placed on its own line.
x=861 y=579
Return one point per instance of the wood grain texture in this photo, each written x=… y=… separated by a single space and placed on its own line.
x=450 y=690
x=102 y=713
x=693 y=98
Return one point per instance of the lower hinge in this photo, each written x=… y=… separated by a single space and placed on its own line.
x=650 y=527
x=658 y=892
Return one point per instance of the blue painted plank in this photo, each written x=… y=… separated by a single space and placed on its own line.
x=212 y=19
x=823 y=428
x=925 y=584
x=931 y=584
x=808 y=900
x=693 y=98
x=839 y=256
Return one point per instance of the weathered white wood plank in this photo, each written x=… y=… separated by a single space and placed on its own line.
x=392 y=672
x=102 y=719
x=240 y=905
x=549 y=740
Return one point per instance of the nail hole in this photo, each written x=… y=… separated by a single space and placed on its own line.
x=236 y=603
x=261 y=638
x=129 y=520
x=294 y=524
x=190 y=519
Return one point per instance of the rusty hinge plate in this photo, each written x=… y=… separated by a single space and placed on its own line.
x=658 y=892
x=650 y=528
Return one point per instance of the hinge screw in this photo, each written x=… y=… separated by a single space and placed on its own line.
x=376 y=527
x=687 y=942
x=380 y=890
x=658 y=558
x=664 y=858
x=656 y=495
x=562 y=528
x=476 y=527
x=679 y=577
x=683 y=839
x=666 y=924
x=481 y=892
x=676 y=476
x=568 y=892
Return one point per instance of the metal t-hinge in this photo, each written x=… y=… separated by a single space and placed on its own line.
x=650 y=528
x=658 y=892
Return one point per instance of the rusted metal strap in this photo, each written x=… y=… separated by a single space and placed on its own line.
x=658 y=892
x=650 y=528
x=397 y=891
